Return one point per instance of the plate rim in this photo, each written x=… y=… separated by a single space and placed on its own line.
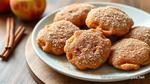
x=76 y=76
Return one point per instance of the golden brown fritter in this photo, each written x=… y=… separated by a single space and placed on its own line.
x=141 y=33
x=75 y=13
x=111 y=20
x=52 y=37
x=87 y=49
x=130 y=54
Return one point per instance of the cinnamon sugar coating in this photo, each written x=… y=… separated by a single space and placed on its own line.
x=87 y=49
x=111 y=20
x=75 y=13
x=52 y=37
x=141 y=33
x=130 y=54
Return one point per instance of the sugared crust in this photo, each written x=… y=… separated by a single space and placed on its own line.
x=141 y=33
x=87 y=49
x=52 y=37
x=130 y=54
x=112 y=20
x=75 y=13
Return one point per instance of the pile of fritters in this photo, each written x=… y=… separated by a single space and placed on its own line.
x=89 y=49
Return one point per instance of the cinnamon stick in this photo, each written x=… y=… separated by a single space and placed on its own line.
x=18 y=34
x=2 y=53
x=7 y=32
x=11 y=31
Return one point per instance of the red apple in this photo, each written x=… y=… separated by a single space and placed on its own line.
x=28 y=9
x=4 y=6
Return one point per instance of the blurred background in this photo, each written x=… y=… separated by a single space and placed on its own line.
x=18 y=7
x=142 y=4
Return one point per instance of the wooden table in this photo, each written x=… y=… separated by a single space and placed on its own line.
x=15 y=71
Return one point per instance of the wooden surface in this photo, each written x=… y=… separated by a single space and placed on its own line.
x=42 y=73
x=15 y=71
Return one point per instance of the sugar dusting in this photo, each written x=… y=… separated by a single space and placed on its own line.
x=58 y=32
x=111 y=16
x=75 y=13
x=130 y=50
x=94 y=48
x=142 y=33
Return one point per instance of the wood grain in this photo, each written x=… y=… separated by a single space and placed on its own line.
x=15 y=71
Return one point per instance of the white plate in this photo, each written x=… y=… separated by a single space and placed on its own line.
x=105 y=73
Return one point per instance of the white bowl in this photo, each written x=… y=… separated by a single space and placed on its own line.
x=106 y=73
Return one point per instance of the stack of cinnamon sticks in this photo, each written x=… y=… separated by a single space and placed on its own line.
x=12 y=37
